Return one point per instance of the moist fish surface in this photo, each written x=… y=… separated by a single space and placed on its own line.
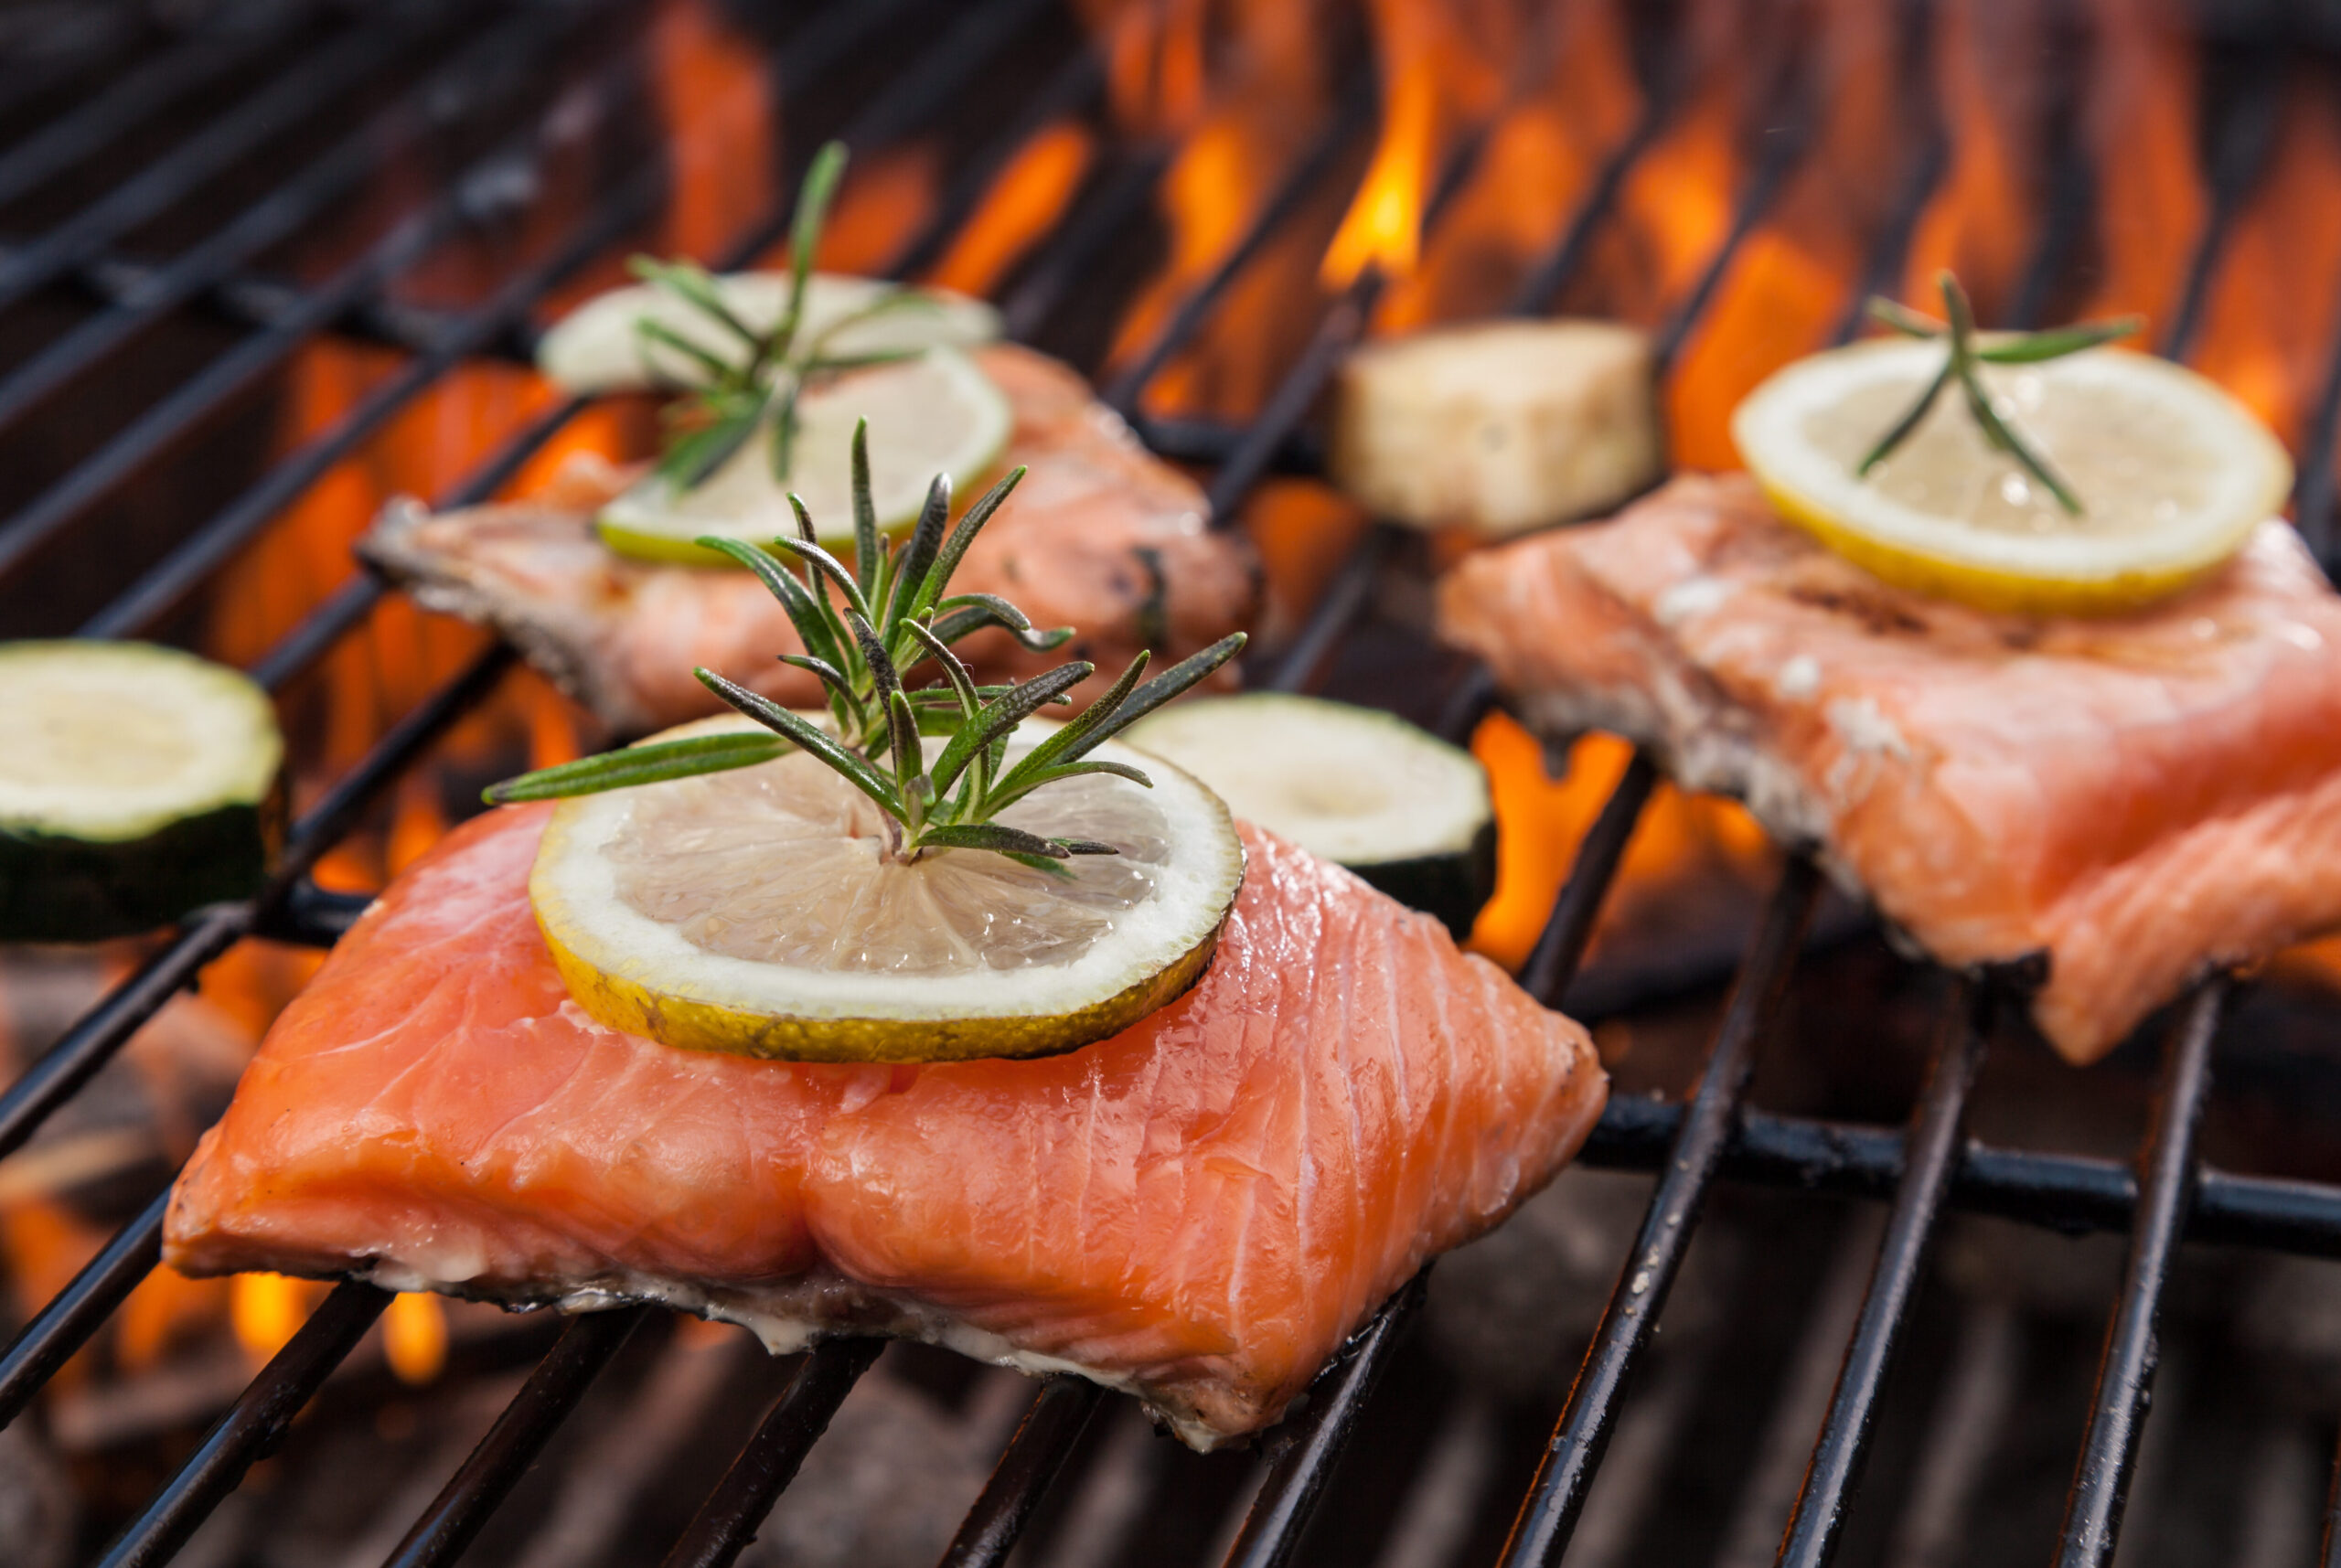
x=1198 y=1209
x=1100 y=535
x=2142 y=798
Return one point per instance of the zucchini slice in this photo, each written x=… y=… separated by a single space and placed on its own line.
x=1363 y=788
x=138 y=782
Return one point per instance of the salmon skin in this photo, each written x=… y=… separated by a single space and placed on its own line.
x=1198 y=1209
x=1100 y=535
x=2139 y=798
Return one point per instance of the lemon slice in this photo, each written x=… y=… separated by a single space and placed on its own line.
x=756 y=912
x=597 y=348
x=935 y=415
x=2173 y=475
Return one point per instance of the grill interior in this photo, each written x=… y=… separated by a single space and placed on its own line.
x=256 y=256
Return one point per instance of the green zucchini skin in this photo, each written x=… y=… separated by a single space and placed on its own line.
x=1451 y=887
x=58 y=888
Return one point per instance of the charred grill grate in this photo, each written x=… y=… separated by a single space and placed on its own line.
x=448 y=63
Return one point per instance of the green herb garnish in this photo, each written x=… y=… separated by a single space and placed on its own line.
x=756 y=386
x=892 y=615
x=1961 y=365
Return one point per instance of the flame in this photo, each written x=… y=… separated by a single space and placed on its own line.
x=1991 y=60
x=721 y=126
x=1681 y=841
x=1790 y=280
x=267 y=1309
x=1023 y=204
x=1530 y=177
x=2270 y=309
x=1303 y=531
x=2142 y=128
x=414 y=1336
x=1384 y=227
x=1442 y=66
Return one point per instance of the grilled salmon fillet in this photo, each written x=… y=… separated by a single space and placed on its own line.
x=1100 y=535
x=1198 y=1209
x=2139 y=798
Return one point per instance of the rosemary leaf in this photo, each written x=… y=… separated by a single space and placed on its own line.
x=812 y=198
x=2033 y=347
x=828 y=565
x=865 y=515
x=696 y=286
x=1098 y=714
x=650 y=331
x=1903 y=427
x=954 y=548
x=997 y=718
x=808 y=738
x=1902 y=318
x=1979 y=400
x=650 y=763
x=997 y=836
x=1194 y=667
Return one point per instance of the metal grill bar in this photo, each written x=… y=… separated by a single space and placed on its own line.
x=1934 y=1154
x=66 y=1323
x=138 y=97
x=1282 y=204
x=727 y=1521
x=2126 y=1372
x=1044 y=1441
x=1566 y=1473
x=287 y=210
x=299 y=90
x=253 y=1427
x=519 y=1434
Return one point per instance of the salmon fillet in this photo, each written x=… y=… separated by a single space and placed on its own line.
x=2140 y=798
x=1101 y=534
x=1198 y=1209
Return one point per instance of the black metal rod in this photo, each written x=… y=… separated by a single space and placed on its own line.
x=65 y=1325
x=174 y=417
x=2245 y=140
x=252 y=1428
x=2125 y=1372
x=1304 y=663
x=519 y=1434
x=2329 y=1549
x=1073 y=89
x=1932 y=1144
x=276 y=217
x=1553 y=963
x=1044 y=1440
x=2070 y=1193
x=292 y=95
x=1566 y=1473
x=1356 y=109
x=1782 y=148
x=1099 y=214
x=1298 y=1477
x=1882 y=274
x=1290 y=402
x=127 y=102
x=1536 y=290
x=730 y=1517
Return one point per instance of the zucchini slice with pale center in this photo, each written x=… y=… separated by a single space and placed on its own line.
x=1362 y=788
x=139 y=783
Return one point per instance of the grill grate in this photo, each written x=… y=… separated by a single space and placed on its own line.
x=1923 y=1171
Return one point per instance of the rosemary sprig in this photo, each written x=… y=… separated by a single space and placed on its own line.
x=1961 y=365
x=755 y=386
x=865 y=628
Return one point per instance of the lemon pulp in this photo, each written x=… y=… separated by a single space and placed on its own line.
x=938 y=413
x=2173 y=475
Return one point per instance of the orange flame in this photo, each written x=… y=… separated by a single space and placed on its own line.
x=713 y=93
x=1384 y=226
x=414 y=1336
x=266 y=1310
x=1031 y=195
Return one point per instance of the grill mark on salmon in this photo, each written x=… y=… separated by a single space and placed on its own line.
x=1199 y=1209
x=1100 y=535
x=2143 y=797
